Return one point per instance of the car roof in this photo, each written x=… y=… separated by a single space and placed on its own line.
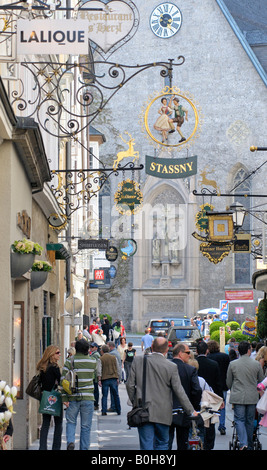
x=183 y=327
x=159 y=319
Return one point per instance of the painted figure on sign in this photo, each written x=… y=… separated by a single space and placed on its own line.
x=164 y=123
x=180 y=114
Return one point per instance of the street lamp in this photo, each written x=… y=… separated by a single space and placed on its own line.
x=238 y=214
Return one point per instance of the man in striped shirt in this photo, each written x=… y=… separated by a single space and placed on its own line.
x=82 y=401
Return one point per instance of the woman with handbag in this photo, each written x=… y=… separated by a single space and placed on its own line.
x=50 y=378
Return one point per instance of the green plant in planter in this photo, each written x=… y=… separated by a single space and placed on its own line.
x=215 y=336
x=216 y=325
x=239 y=336
x=41 y=266
x=26 y=246
x=233 y=325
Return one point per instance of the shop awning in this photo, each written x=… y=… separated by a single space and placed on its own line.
x=60 y=250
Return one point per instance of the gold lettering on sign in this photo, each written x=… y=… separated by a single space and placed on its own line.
x=24 y=223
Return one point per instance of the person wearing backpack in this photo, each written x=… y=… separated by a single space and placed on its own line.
x=81 y=400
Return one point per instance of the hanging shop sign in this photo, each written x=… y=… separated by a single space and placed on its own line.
x=171 y=168
x=101 y=278
x=112 y=26
x=128 y=198
x=106 y=27
x=112 y=272
x=221 y=228
x=52 y=37
x=215 y=252
x=171 y=119
x=242 y=243
x=128 y=247
x=90 y=244
x=112 y=253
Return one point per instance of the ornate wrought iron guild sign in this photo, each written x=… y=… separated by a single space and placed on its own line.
x=128 y=197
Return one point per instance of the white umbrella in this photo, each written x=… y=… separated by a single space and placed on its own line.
x=210 y=310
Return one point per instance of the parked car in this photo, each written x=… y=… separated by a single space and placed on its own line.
x=162 y=324
x=186 y=334
x=180 y=320
x=158 y=325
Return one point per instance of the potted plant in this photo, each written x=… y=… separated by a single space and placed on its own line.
x=23 y=253
x=40 y=270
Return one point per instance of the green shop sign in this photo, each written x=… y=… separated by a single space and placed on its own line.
x=171 y=168
x=128 y=198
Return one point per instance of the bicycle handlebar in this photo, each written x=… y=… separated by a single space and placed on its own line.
x=206 y=409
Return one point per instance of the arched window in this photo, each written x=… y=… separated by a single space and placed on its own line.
x=242 y=271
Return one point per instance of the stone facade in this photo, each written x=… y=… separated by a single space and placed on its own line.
x=231 y=97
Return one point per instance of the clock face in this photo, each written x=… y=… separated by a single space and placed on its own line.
x=165 y=20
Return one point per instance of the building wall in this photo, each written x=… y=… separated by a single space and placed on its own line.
x=218 y=73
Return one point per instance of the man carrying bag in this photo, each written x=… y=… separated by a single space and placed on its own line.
x=162 y=380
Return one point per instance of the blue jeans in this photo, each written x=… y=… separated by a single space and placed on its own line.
x=111 y=384
x=222 y=413
x=86 y=409
x=244 y=416
x=154 y=436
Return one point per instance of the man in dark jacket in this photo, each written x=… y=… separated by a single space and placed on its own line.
x=223 y=361
x=189 y=380
x=210 y=371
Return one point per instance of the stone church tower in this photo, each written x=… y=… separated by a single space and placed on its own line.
x=223 y=84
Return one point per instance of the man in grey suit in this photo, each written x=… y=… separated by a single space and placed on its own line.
x=162 y=380
x=243 y=375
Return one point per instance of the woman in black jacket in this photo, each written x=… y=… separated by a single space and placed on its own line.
x=106 y=327
x=50 y=378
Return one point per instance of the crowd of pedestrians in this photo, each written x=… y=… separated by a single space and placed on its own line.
x=101 y=363
x=101 y=359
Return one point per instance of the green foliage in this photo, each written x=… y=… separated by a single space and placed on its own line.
x=238 y=335
x=262 y=319
x=101 y=316
x=216 y=325
x=233 y=325
x=215 y=336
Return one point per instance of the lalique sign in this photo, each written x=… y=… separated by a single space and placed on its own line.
x=105 y=28
x=52 y=37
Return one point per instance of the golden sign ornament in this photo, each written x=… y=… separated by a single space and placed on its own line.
x=202 y=221
x=130 y=152
x=221 y=228
x=171 y=118
x=128 y=198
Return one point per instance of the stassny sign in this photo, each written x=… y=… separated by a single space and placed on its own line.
x=171 y=167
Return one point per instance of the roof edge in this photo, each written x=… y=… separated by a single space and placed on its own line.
x=243 y=41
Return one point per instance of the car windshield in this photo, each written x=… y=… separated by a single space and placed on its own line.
x=181 y=322
x=159 y=324
x=185 y=334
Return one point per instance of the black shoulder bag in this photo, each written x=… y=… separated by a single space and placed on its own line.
x=140 y=414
